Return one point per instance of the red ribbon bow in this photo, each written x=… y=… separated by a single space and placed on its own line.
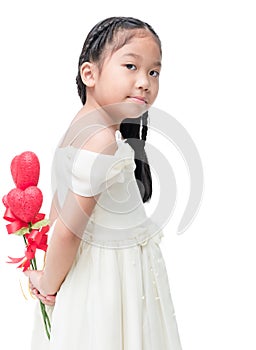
x=36 y=238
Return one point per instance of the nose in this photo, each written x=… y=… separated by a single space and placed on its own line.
x=142 y=82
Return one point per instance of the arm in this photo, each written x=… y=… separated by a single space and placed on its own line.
x=64 y=244
x=53 y=211
x=71 y=221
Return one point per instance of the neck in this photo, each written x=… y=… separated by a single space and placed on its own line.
x=98 y=115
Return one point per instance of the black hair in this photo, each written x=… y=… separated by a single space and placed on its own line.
x=102 y=34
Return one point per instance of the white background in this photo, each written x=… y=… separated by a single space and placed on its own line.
x=208 y=85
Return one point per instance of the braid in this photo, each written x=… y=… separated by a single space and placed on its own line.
x=130 y=129
x=144 y=130
x=88 y=54
x=143 y=173
x=96 y=36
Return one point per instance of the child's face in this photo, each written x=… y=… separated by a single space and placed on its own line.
x=130 y=74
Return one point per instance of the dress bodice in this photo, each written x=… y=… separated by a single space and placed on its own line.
x=119 y=219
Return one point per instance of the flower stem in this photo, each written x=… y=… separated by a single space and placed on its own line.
x=46 y=320
x=47 y=324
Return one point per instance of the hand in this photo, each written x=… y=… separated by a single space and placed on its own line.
x=34 y=285
x=47 y=300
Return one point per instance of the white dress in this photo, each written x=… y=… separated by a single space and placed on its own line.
x=116 y=295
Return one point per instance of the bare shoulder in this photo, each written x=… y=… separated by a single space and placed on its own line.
x=103 y=141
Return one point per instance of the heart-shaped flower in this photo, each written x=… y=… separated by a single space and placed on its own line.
x=25 y=169
x=25 y=205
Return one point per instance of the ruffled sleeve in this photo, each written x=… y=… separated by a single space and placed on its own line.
x=89 y=173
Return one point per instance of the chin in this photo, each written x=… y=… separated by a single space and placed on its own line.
x=123 y=110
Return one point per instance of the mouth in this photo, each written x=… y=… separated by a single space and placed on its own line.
x=138 y=99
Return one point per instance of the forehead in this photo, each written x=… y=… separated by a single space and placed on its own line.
x=126 y=37
x=134 y=41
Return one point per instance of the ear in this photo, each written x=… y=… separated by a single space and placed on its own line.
x=87 y=72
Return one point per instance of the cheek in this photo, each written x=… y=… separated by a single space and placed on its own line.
x=155 y=88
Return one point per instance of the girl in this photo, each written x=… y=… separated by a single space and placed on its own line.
x=103 y=262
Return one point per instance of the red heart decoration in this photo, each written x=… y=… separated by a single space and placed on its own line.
x=4 y=200
x=25 y=169
x=26 y=204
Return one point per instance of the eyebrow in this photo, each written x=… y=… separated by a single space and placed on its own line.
x=134 y=55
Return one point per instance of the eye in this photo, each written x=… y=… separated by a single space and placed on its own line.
x=131 y=66
x=154 y=73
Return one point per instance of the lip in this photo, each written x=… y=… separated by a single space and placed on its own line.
x=138 y=99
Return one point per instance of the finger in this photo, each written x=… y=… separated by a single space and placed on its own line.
x=41 y=297
x=45 y=301
x=49 y=303
x=35 y=291
x=51 y=299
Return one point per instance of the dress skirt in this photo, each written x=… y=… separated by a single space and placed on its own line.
x=112 y=299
